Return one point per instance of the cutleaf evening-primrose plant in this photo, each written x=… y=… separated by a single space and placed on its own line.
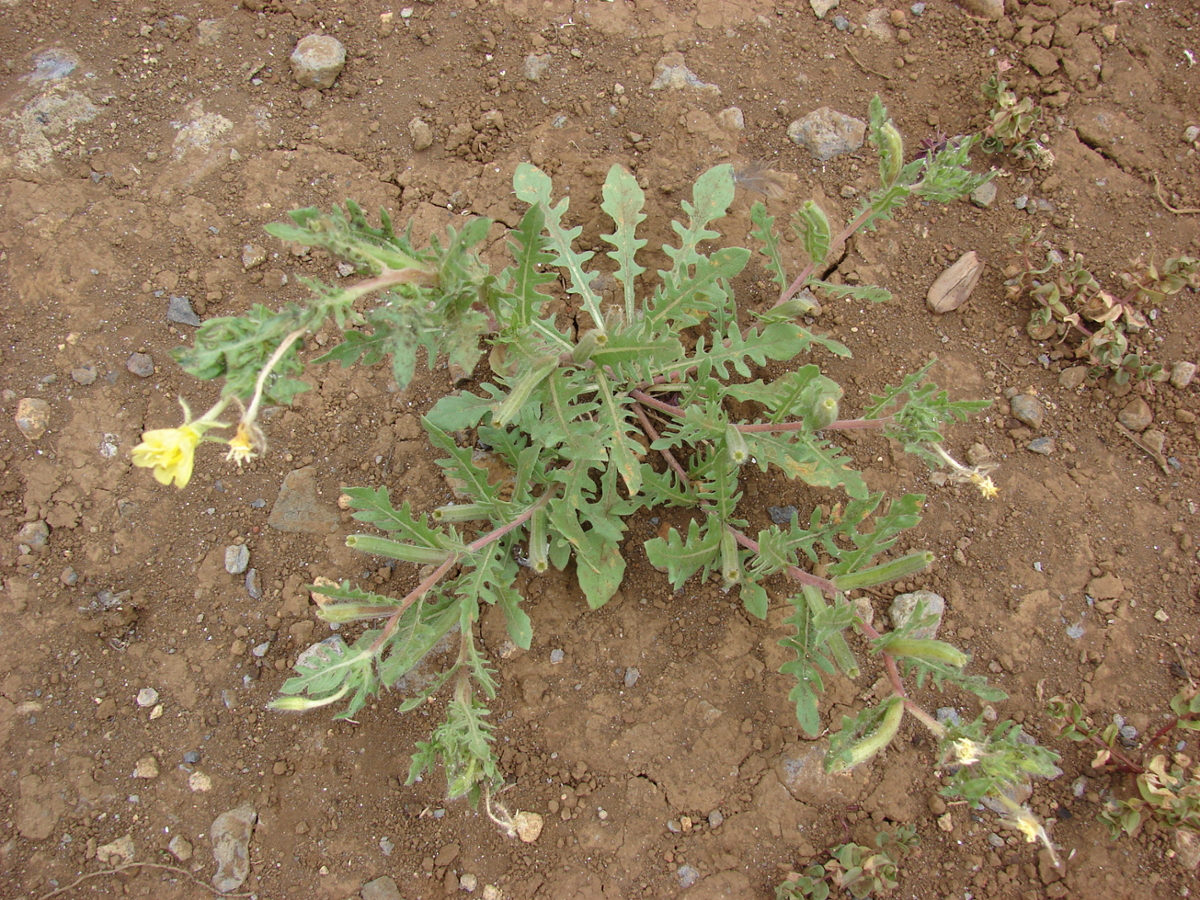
x=628 y=406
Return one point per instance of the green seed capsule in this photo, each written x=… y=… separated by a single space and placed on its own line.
x=379 y=546
x=891 y=152
x=825 y=412
x=934 y=651
x=735 y=444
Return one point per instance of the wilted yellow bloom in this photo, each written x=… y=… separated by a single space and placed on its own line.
x=966 y=752
x=242 y=446
x=170 y=452
x=986 y=486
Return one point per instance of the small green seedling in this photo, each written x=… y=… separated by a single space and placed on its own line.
x=853 y=868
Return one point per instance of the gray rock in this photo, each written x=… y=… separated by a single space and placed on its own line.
x=230 y=834
x=35 y=534
x=33 y=417
x=140 y=364
x=382 y=888
x=631 y=676
x=85 y=374
x=147 y=697
x=781 y=515
x=1028 y=410
x=297 y=508
x=826 y=132
x=1182 y=374
x=984 y=195
x=421 y=134
x=841 y=23
x=821 y=7
x=904 y=606
x=317 y=61
x=731 y=119
x=716 y=819
x=181 y=848
x=1042 y=445
x=253 y=256
x=687 y=875
x=179 y=311
x=992 y=10
x=237 y=558
x=537 y=65
x=252 y=586
x=671 y=74
x=1136 y=416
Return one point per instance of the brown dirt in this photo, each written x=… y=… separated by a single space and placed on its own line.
x=145 y=171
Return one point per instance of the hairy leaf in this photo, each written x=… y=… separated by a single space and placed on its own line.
x=623 y=201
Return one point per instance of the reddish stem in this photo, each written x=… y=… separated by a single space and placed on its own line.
x=811 y=267
x=648 y=427
x=650 y=400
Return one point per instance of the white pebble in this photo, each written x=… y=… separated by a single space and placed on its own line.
x=147 y=697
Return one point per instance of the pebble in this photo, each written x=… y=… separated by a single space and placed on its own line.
x=1073 y=377
x=146 y=767
x=687 y=875
x=253 y=256
x=715 y=819
x=528 y=826
x=121 y=851
x=298 y=509
x=260 y=650
x=1182 y=374
x=948 y=715
x=1028 y=410
x=179 y=311
x=147 y=697
x=237 y=558
x=33 y=417
x=536 y=65
x=631 y=676
x=904 y=605
x=731 y=119
x=69 y=577
x=987 y=9
x=421 y=134
x=1043 y=445
x=230 y=834
x=382 y=888
x=556 y=656
x=191 y=757
x=252 y=587
x=35 y=534
x=984 y=195
x=199 y=783
x=825 y=133
x=181 y=848
x=317 y=61
x=781 y=515
x=140 y=364
x=670 y=73
x=1136 y=415
x=841 y=23
x=821 y=7
x=469 y=882
x=85 y=374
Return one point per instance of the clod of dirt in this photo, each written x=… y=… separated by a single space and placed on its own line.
x=382 y=888
x=230 y=835
x=33 y=417
x=826 y=132
x=119 y=852
x=317 y=61
x=140 y=364
x=992 y=10
x=671 y=74
x=821 y=7
x=954 y=286
x=421 y=134
x=297 y=508
x=181 y=848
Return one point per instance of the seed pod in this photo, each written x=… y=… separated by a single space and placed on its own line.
x=459 y=512
x=731 y=566
x=539 y=543
x=933 y=651
x=954 y=286
x=379 y=546
x=825 y=412
x=735 y=444
x=891 y=154
x=908 y=564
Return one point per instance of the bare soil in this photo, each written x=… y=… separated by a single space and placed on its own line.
x=143 y=145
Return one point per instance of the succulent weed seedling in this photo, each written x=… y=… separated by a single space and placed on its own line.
x=1012 y=125
x=858 y=870
x=627 y=406
x=1070 y=304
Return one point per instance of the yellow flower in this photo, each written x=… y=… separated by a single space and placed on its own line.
x=966 y=752
x=170 y=452
x=986 y=486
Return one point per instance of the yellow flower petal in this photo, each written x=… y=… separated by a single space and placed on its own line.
x=170 y=452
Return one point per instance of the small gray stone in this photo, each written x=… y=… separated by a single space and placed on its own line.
x=781 y=515
x=140 y=364
x=35 y=534
x=237 y=558
x=984 y=195
x=147 y=697
x=1028 y=410
x=1182 y=374
x=731 y=119
x=230 y=834
x=826 y=132
x=421 y=133
x=821 y=7
x=85 y=374
x=670 y=73
x=556 y=656
x=261 y=650
x=631 y=676
x=904 y=606
x=191 y=757
x=1073 y=377
x=687 y=875
x=716 y=819
x=948 y=715
x=1154 y=439
x=1136 y=416
x=252 y=587
x=1021 y=202
x=297 y=508
x=537 y=65
x=382 y=888
x=841 y=23
x=317 y=61
x=33 y=417
x=1042 y=445
x=179 y=311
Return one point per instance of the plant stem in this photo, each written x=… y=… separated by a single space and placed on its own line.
x=859 y=424
x=650 y=400
x=889 y=661
x=652 y=433
x=795 y=572
x=803 y=277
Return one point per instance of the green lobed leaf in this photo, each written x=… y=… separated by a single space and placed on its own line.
x=623 y=201
x=683 y=557
x=812 y=227
x=764 y=232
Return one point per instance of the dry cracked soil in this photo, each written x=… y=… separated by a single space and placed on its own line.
x=143 y=147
